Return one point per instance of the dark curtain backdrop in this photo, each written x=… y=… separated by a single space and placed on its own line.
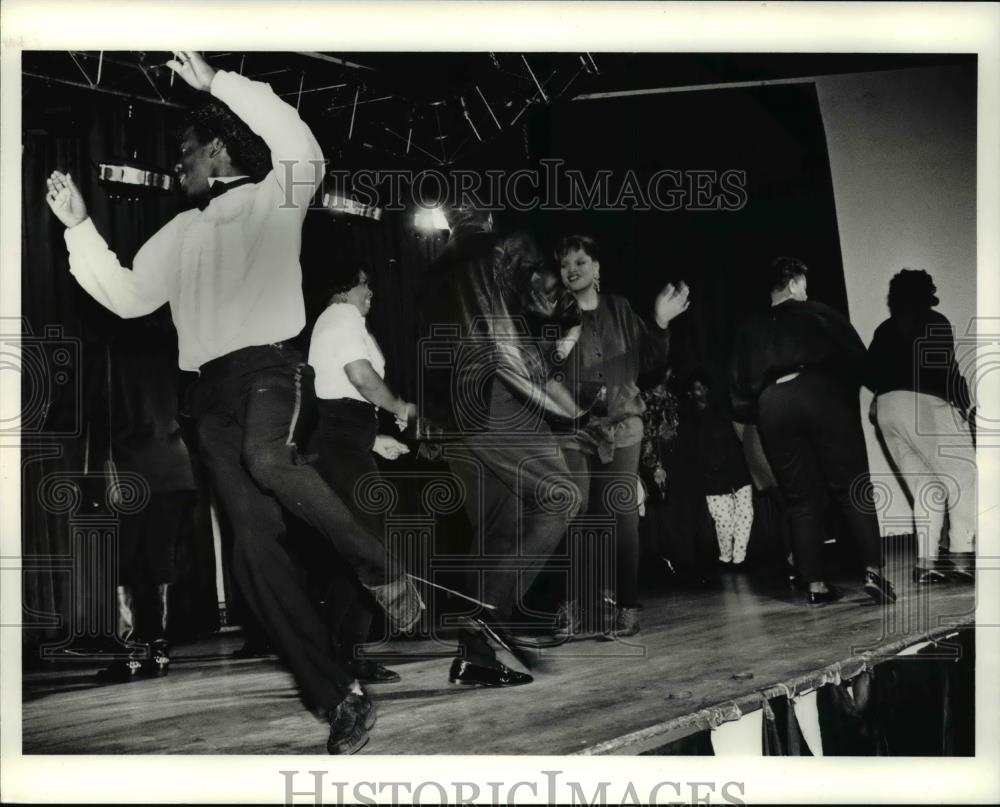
x=775 y=134
x=73 y=131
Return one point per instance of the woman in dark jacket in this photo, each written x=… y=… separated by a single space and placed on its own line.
x=922 y=408
x=613 y=348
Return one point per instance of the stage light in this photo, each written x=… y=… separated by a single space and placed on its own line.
x=431 y=219
x=352 y=207
x=128 y=178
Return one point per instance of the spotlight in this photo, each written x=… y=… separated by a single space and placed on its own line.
x=431 y=219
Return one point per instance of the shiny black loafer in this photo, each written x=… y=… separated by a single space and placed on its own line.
x=468 y=674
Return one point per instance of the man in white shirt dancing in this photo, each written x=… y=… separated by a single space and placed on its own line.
x=231 y=274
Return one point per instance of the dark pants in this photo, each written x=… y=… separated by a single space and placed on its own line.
x=810 y=429
x=347 y=433
x=147 y=540
x=611 y=489
x=246 y=404
x=518 y=501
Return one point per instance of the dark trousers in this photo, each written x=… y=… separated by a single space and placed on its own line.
x=810 y=429
x=611 y=489
x=518 y=500
x=246 y=405
x=147 y=540
x=347 y=433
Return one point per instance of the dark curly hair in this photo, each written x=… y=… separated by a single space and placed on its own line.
x=783 y=270
x=247 y=150
x=344 y=276
x=582 y=242
x=911 y=290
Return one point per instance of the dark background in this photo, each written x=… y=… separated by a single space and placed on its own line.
x=774 y=133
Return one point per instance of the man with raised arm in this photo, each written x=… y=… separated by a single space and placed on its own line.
x=230 y=271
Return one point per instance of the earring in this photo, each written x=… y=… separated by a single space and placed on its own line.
x=597 y=282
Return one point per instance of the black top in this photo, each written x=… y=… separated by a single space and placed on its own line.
x=792 y=336
x=915 y=351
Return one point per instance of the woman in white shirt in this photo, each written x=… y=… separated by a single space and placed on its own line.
x=350 y=390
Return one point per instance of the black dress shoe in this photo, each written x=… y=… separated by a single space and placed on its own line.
x=523 y=648
x=823 y=597
x=371 y=672
x=158 y=663
x=348 y=730
x=879 y=589
x=468 y=674
x=926 y=576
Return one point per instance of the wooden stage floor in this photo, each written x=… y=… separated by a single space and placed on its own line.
x=589 y=697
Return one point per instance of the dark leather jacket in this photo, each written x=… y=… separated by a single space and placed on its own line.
x=491 y=311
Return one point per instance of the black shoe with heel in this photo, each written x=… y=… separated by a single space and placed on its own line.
x=879 y=589
x=466 y=673
x=524 y=649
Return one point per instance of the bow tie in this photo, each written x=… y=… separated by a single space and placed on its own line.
x=219 y=188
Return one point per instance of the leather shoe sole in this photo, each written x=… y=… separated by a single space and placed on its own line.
x=349 y=744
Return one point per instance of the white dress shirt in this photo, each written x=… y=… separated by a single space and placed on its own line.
x=340 y=337
x=230 y=272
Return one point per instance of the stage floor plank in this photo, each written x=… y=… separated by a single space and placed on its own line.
x=587 y=696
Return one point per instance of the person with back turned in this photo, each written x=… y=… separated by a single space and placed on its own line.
x=796 y=372
x=924 y=411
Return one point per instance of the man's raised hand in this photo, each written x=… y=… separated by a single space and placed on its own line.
x=65 y=199
x=190 y=66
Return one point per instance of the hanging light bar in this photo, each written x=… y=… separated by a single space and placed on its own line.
x=352 y=207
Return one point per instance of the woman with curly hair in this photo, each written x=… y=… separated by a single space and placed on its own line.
x=922 y=408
